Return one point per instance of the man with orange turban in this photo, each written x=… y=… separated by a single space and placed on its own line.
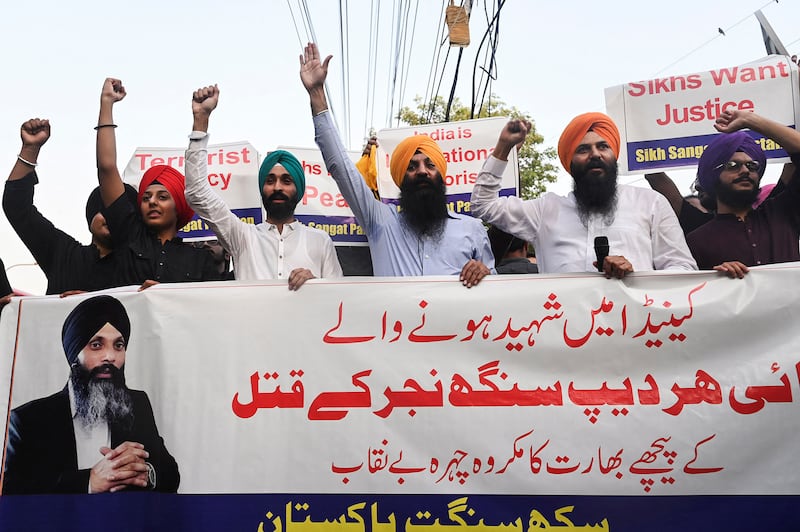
x=145 y=239
x=616 y=229
x=424 y=238
x=280 y=247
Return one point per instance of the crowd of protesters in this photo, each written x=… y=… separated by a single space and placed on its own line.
x=732 y=226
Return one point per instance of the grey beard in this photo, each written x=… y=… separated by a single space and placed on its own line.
x=98 y=400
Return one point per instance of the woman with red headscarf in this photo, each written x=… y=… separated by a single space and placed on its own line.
x=150 y=250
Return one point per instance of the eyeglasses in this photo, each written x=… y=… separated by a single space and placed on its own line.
x=752 y=166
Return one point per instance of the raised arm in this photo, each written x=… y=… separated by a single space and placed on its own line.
x=201 y=197
x=313 y=74
x=661 y=183
x=508 y=213
x=787 y=174
x=513 y=134
x=730 y=121
x=204 y=101
x=369 y=211
x=34 y=134
x=111 y=186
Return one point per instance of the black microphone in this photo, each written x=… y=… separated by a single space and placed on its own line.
x=600 y=250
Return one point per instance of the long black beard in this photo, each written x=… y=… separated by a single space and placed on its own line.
x=596 y=196
x=424 y=205
x=279 y=212
x=101 y=399
x=737 y=199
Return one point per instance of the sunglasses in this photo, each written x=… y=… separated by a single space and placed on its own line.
x=752 y=166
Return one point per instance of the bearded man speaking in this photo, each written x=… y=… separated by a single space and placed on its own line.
x=95 y=435
x=637 y=225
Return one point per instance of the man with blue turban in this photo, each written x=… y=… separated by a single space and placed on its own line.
x=279 y=248
x=731 y=168
x=424 y=238
x=95 y=435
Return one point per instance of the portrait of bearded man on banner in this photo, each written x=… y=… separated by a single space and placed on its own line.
x=95 y=435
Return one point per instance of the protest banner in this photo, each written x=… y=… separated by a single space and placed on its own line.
x=663 y=401
x=323 y=206
x=667 y=122
x=232 y=173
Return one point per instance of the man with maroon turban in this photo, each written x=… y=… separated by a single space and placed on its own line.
x=424 y=238
x=636 y=226
x=146 y=240
x=731 y=168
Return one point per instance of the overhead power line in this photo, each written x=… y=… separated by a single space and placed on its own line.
x=721 y=32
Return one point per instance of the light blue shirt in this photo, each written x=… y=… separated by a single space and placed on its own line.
x=396 y=249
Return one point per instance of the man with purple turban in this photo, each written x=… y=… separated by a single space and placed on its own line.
x=424 y=238
x=279 y=248
x=145 y=236
x=95 y=435
x=731 y=168
x=624 y=228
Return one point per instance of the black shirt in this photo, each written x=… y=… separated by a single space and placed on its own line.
x=517 y=265
x=67 y=264
x=141 y=256
x=5 y=287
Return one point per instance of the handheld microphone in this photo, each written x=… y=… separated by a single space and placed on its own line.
x=600 y=250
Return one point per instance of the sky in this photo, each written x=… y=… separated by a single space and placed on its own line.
x=554 y=60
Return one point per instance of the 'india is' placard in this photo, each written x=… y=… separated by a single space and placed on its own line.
x=466 y=145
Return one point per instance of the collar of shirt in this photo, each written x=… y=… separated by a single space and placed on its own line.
x=291 y=225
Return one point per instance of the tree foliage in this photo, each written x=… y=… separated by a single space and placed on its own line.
x=536 y=167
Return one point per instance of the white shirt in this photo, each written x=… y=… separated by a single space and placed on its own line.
x=258 y=251
x=88 y=441
x=645 y=229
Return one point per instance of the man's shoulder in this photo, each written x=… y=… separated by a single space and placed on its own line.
x=139 y=398
x=38 y=407
x=551 y=199
x=464 y=217
x=705 y=230
x=632 y=191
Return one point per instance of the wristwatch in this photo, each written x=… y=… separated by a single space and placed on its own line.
x=151 y=476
